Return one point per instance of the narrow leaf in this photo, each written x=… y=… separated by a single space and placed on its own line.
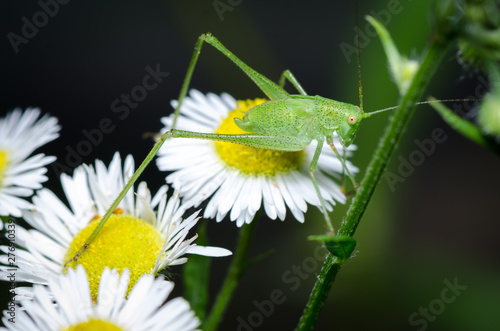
x=466 y=128
x=342 y=247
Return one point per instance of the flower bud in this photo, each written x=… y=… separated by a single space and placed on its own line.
x=489 y=114
x=479 y=40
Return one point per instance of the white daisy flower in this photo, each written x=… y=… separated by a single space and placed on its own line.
x=145 y=234
x=20 y=134
x=239 y=179
x=75 y=309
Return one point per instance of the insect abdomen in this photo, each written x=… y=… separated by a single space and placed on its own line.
x=271 y=117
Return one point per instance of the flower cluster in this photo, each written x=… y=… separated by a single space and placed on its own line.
x=21 y=133
x=479 y=33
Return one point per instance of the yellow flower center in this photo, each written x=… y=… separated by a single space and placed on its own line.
x=3 y=164
x=253 y=160
x=92 y=325
x=123 y=242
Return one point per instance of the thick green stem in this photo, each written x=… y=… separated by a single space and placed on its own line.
x=238 y=266
x=378 y=164
x=391 y=138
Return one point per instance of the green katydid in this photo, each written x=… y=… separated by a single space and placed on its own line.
x=297 y=119
x=287 y=122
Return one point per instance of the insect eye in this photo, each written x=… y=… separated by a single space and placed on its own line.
x=352 y=119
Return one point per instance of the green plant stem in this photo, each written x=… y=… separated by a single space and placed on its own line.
x=238 y=266
x=376 y=168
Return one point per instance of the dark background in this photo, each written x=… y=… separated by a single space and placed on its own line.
x=439 y=224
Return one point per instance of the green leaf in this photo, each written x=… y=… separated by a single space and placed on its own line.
x=342 y=247
x=402 y=69
x=196 y=276
x=466 y=128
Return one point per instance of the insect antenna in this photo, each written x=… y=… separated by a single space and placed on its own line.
x=418 y=103
x=359 y=56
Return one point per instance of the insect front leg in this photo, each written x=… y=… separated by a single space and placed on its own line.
x=287 y=74
x=329 y=140
x=312 y=170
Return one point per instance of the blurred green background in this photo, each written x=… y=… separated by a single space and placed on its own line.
x=438 y=224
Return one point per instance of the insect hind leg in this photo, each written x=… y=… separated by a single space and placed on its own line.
x=271 y=89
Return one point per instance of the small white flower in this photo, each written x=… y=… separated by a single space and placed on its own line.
x=239 y=179
x=145 y=234
x=74 y=307
x=20 y=134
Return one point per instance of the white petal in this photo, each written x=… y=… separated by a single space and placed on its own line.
x=209 y=251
